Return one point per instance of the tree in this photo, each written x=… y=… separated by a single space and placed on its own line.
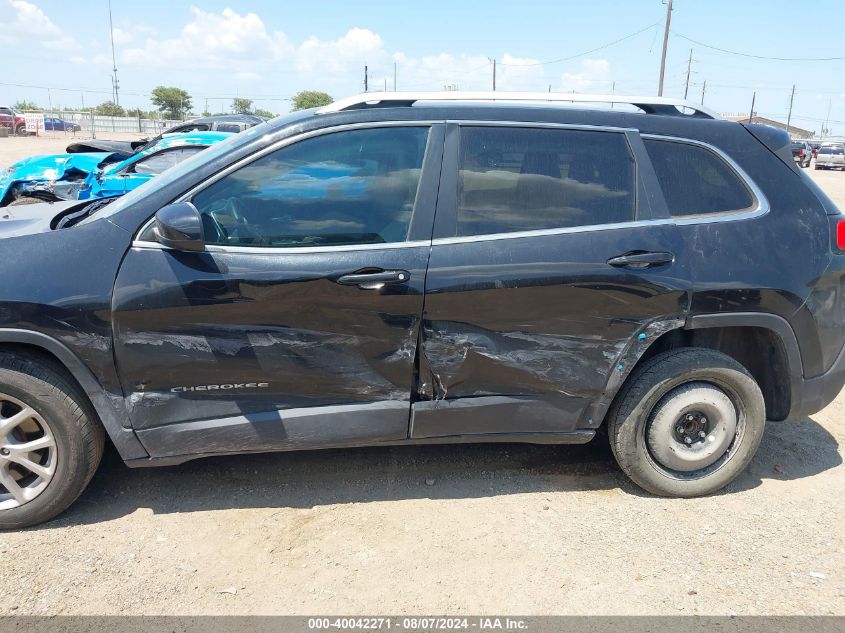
x=172 y=101
x=26 y=106
x=242 y=106
x=310 y=99
x=260 y=112
x=109 y=108
x=138 y=113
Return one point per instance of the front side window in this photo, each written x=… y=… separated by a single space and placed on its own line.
x=166 y=159
x=349 y=187
x=695 y=180
x=524 y=179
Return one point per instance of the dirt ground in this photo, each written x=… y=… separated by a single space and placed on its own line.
x=504 y=529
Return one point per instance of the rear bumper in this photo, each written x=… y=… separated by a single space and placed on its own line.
x=811 y=395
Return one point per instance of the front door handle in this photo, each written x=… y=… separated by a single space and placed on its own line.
x=375 y=279
x=641 y=259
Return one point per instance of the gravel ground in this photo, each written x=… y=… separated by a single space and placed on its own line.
x=503 y=529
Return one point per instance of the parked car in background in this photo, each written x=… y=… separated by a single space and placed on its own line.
x=831 y=156
x=801 y=153
x=405 y=269
x=96 y=174
x=12 y=120
x=55 y=124
x=215 y=123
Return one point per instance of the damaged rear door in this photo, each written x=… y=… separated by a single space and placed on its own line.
x=297 y=326
x=551 y=271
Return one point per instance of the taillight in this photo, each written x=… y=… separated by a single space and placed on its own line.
x=801 y=153
x=840 y=234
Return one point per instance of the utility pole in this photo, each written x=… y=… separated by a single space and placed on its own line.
x=689 y=67
x=394 y=76
x=751 y=113
x=494 y=74
x=613 y=92
x=665 y=46
x=789 y=116
x=703 y=90
x=826 y=120
x=385 y=84
x=115 y=84
x=366 y=81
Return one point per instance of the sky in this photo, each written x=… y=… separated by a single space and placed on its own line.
x=268 y=50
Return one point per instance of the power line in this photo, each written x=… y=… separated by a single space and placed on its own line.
x=775 y=59
x=592 y=50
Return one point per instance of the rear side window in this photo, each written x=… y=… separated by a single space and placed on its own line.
x=836 y=151
x=696 y=181
x=524 y=179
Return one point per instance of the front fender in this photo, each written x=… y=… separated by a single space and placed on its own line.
x=109 y=408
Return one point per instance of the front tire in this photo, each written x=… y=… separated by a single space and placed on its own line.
x=20 y=130
x=50 y=442
x=687 y=422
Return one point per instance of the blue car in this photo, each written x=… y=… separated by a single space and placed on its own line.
x=55 y=124
x=97 y=174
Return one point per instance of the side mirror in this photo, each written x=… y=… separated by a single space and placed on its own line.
x=179 y=226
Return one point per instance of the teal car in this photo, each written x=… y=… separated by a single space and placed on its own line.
x=97 y=174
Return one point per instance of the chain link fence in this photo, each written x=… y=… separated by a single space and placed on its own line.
x=87 y=124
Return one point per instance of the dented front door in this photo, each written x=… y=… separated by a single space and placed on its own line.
x=268 y=338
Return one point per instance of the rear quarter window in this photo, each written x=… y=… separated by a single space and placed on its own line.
x=696 y=180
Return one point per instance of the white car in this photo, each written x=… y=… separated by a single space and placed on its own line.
x=831 y=155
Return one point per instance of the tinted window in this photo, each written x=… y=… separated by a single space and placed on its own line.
x=523 y=179
x=354 y=187
x=695 y=180
x=832 y=150
x=166 y=159
x=797 y=145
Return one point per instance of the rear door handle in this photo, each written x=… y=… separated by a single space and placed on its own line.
x=641 y=259
x=375 y=279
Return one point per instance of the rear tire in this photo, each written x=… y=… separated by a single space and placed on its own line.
x=40 y=408
x=687 y=422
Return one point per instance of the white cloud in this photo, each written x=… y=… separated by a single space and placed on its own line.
x=213 y=40
x=29 y=22
x=122 y=36
x=592 y=76
x=356 y=48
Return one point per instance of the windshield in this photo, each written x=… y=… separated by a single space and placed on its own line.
x=206 y=156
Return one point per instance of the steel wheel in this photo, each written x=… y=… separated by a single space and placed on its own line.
x=28 y=454
x=692 y=427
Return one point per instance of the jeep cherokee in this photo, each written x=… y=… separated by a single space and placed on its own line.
x=428 y=268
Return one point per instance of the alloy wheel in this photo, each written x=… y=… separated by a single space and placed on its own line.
x=28 y=453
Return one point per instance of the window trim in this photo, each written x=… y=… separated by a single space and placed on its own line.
x=759 y=203
x=137 y=242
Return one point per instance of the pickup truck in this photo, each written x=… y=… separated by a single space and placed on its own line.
x=12 y=120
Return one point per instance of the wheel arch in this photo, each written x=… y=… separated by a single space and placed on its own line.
x=104 y=405
x=763 y=343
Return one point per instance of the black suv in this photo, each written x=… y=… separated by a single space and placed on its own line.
x=413 y=269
